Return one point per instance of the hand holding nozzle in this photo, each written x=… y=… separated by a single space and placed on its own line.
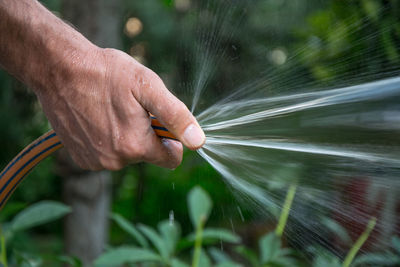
x=101 y=114
x=97 y=100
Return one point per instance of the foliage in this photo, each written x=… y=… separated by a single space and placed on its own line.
x=358 y=30
x=37 y=214
x=168 y=248
x=323 y=257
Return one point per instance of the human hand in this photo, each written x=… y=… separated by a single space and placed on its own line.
x=98 y=105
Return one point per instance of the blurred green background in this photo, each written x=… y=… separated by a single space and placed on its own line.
x=165 y=35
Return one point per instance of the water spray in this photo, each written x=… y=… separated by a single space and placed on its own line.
x=16 y=171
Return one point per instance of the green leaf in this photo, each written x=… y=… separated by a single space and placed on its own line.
x=69 y=260
x=200 y=205
x=177 y=263
x=126 y=254
x=376 y=259
x=324 y=257
x=228 y=264
x=326 y=261
x=204 y=259
x=130 y=229
x=170 y=233
x=219 y=255
x=270 y=246
x=248 y=254
x=39 y=213
x=284 y=262
x=216 y=234
x=336 y=229
x=25 y=259
x=156 y=240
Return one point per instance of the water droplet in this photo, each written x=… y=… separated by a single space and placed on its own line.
x=171 y=217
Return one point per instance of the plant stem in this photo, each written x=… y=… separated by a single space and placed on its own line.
x=359 y=243
x=3 y=254
x=198 y=242
x=285 y=210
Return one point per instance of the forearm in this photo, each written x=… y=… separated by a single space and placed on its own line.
x=36 y=46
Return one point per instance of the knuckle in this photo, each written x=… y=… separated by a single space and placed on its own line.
x=111 y=52
x=144 y=73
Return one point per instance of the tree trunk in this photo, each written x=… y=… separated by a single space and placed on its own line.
x=88 y=193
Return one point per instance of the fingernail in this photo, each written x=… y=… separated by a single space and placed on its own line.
x=168 y=144
x=193 y=136
x=174 y=149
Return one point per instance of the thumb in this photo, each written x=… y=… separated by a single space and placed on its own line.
x=170 y=111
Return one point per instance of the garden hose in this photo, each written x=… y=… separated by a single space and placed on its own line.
x=15 y=172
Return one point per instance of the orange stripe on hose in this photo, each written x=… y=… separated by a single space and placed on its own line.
x=33 y=154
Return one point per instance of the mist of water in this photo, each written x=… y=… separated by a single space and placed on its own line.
x=339 y=145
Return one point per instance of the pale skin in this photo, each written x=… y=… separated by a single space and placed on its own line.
x=97 y=100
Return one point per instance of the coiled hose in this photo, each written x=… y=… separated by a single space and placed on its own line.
x=16 y=171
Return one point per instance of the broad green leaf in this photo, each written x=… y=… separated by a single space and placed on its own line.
x=156 y=240
x=178 y=263
x=126 y=254
x=200 y=205
x=170 y=233
x=130 y=229
x=204 y=260
x=216 y=234
x=270 y=246
x=39 y=213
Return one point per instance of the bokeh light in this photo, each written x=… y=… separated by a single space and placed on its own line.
x=133 y=27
